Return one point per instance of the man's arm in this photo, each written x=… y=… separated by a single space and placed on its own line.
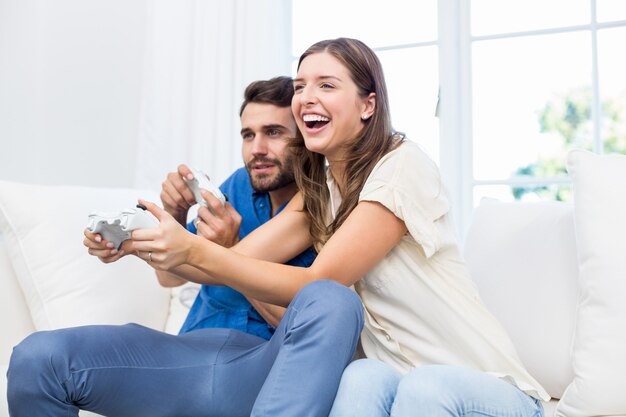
x=221 y=225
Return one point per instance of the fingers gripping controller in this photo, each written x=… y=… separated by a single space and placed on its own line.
x=202 y=181
x=117 y=227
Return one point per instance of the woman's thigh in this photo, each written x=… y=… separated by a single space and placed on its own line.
x=443 y=390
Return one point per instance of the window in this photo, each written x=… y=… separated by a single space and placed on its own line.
x=521 y=83
x=404 y=36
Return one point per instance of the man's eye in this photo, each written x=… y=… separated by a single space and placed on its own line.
x=247 y=136
x=297 y=88
x=273 y=132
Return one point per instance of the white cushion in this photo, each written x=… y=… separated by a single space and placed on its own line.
x=522 y=257
x=599 y=356
x=63 y=285
x=4 y=407
x=12 y=305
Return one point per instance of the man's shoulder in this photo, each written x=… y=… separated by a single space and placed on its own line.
x=237 y=179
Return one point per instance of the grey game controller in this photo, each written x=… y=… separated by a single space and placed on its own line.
x=117 y=227
x=201 y=180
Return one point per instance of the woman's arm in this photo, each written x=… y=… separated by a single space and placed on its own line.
x=280 y=239
x=183 y=274
x=364 y=239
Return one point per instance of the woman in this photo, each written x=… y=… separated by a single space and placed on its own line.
x=424 y=318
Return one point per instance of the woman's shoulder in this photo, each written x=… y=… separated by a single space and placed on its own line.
x=406 y=159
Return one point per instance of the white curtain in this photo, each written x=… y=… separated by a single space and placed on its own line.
x=200 y=55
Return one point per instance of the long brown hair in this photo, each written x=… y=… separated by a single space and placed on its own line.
x=364 y=151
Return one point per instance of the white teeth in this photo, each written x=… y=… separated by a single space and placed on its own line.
x=315 y=118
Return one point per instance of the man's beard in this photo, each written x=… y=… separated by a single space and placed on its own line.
x=265 y=183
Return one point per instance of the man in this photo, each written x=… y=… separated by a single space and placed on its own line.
x=255 y=193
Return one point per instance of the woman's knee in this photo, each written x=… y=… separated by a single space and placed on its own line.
x=427 y=383
x=370 y=375
x=367 y=388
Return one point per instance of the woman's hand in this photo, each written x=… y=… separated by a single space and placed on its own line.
x=165 y=247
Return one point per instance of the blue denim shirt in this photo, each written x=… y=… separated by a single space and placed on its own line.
x=224 y=307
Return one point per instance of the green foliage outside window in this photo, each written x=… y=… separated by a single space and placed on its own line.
x=568 y=117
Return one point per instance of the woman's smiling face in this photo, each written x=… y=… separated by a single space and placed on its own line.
x=327 y=105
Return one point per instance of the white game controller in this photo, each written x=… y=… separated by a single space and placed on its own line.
x=117 y=227
x=202 y=180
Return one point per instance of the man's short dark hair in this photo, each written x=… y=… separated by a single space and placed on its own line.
x=277 y=91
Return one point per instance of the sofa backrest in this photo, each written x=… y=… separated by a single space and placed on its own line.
x=16 y=321
x=523 y=259
x=63 y=286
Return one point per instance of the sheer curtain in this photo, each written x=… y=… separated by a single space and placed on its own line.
x=200 y=55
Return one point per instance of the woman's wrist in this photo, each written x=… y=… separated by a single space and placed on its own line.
x=195 y=251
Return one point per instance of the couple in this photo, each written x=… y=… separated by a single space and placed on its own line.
x=374 y=208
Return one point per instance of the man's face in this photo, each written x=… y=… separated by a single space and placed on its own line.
x=266 y=130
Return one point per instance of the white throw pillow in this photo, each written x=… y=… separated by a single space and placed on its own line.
x=599 y=356
x=63 y=285
x=522 y=257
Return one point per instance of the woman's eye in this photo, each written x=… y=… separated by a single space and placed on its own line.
x=327 y=85
x=297 y=88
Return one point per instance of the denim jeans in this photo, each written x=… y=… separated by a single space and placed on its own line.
x=371 y=388
x=133 y=371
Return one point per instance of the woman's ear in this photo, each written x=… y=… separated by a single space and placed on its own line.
x=370 y=106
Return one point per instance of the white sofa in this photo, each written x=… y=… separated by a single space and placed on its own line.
x=523 y=257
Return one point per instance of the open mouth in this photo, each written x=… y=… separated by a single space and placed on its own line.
x=315 y=121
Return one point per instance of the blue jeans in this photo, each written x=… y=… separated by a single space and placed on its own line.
x=133 y=371
x=371 y=388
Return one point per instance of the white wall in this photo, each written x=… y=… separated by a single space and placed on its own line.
x=70 y=84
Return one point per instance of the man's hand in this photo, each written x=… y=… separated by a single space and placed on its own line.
x=220 y=224
x=176 y=196
x=103 y=249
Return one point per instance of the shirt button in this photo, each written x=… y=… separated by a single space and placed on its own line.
x=388 y=337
